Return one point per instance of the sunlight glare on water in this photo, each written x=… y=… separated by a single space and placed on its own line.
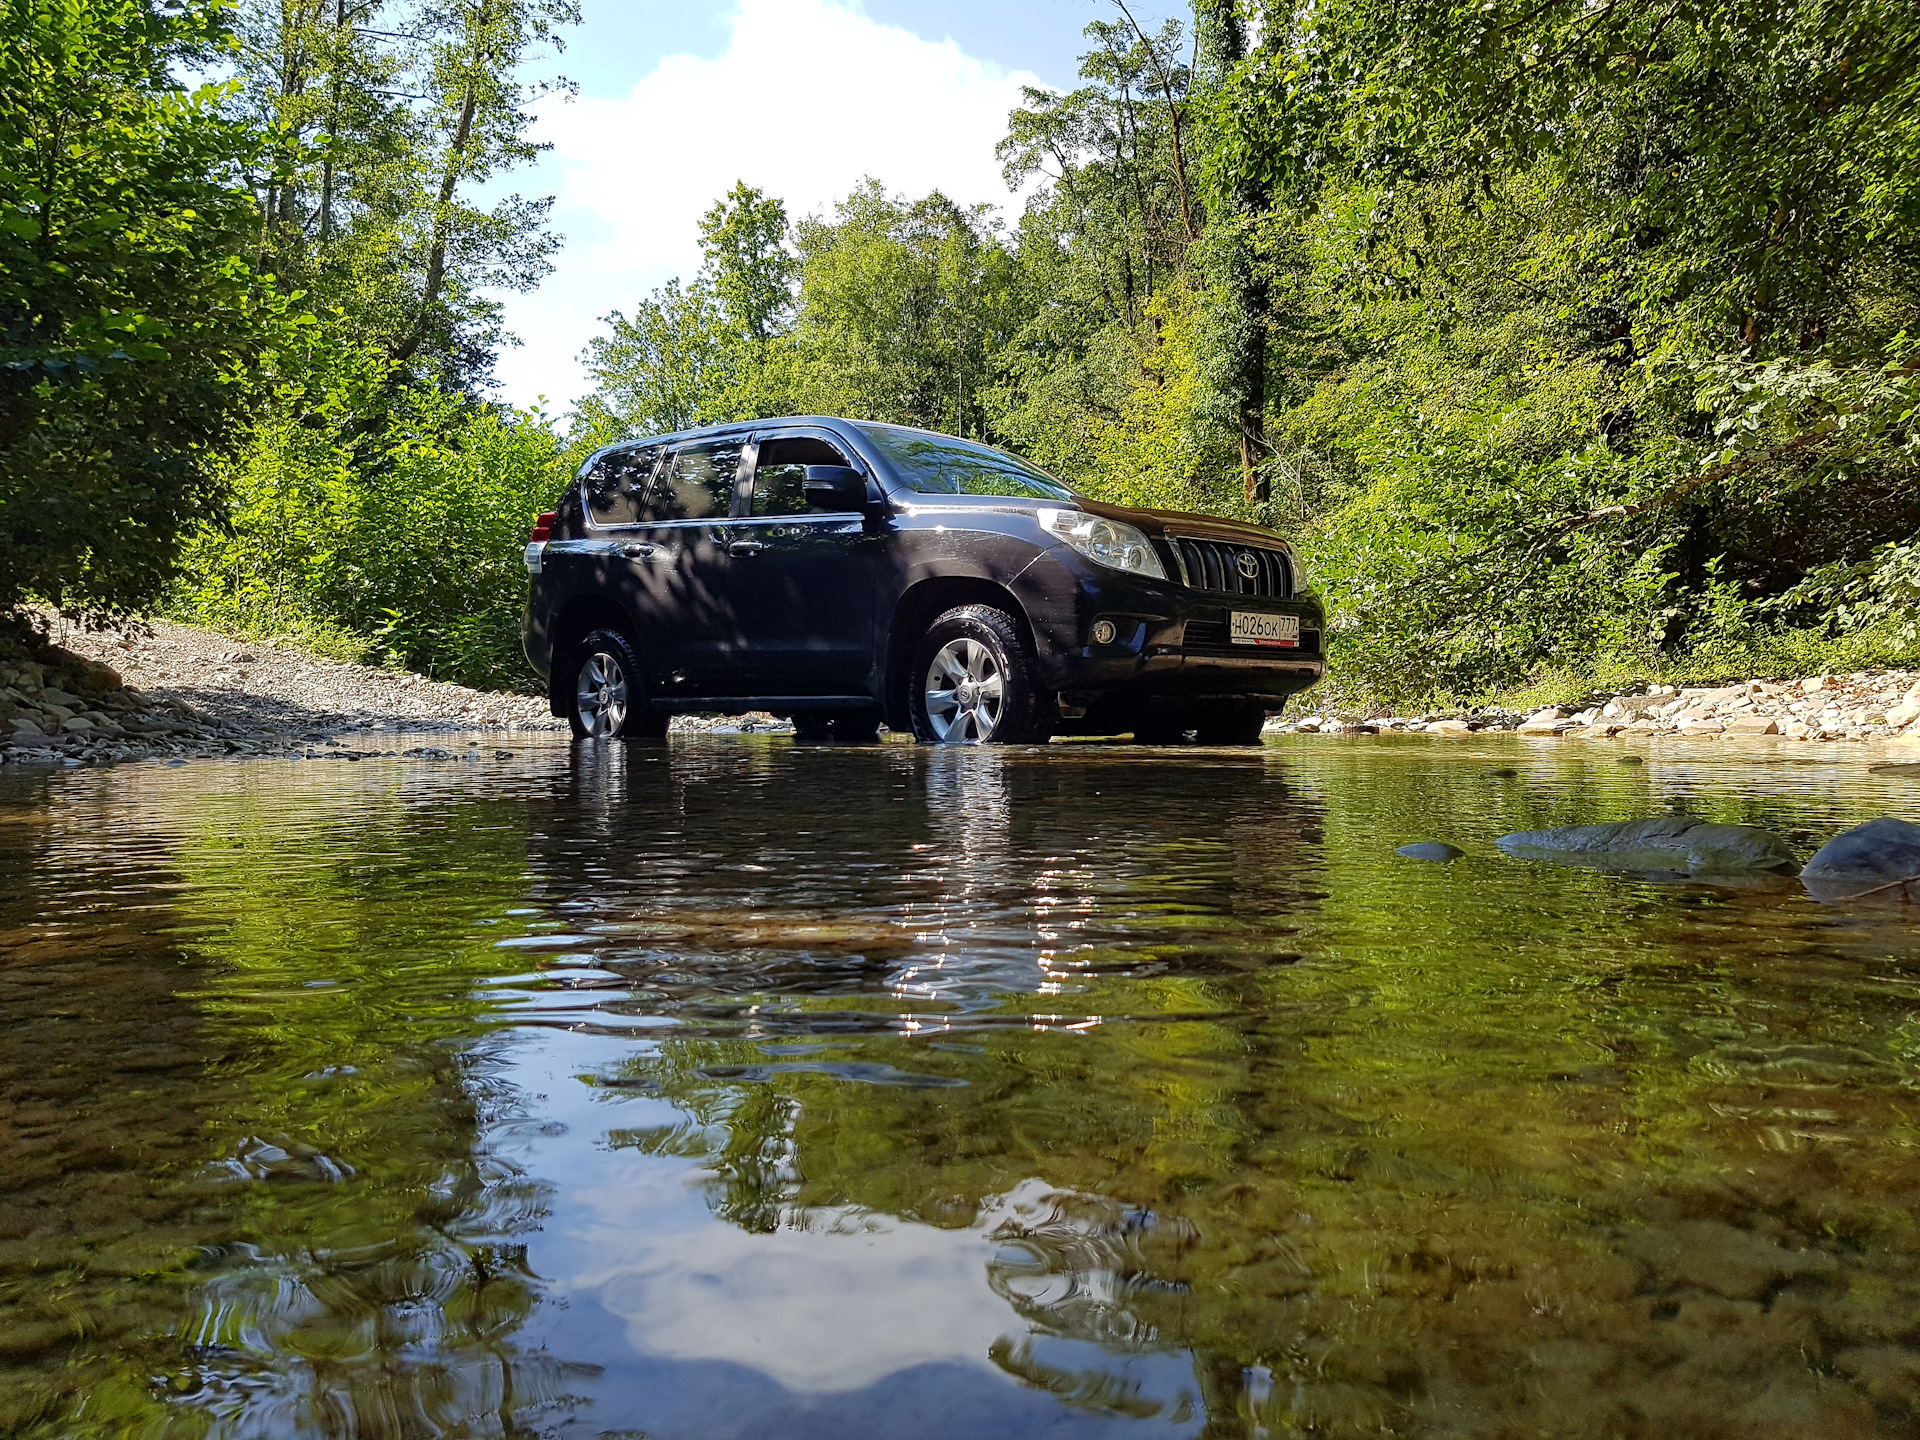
x=744 y=1088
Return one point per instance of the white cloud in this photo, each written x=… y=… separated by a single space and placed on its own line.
x=808 y=98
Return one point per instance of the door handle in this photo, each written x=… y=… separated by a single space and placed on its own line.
x=638 y=551
x=745 y=547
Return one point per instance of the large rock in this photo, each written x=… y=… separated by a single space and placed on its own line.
x=1878 y=860
x=1667 y=842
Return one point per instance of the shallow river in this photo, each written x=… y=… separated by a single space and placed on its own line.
x=742 y=1089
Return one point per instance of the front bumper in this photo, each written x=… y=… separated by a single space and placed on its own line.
x=1171 y=644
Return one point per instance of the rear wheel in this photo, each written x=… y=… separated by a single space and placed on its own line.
x=973 y=680
x=1230 y=725
x=607 y=701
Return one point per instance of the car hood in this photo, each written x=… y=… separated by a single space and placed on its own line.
x=1179 y=522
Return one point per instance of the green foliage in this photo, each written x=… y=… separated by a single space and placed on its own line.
x=903 y=306
x=890 y=310
x=394 y=515
x=744 y=238
x=377 y=505
x=666 y=367
x=129 y=316
x=1603 y=329
x=378 y=121
x=712 y=350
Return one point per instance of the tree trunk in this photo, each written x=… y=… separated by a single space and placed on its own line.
x=436 y=277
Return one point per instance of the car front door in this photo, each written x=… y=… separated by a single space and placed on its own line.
x=805 y=579
x=680 y=561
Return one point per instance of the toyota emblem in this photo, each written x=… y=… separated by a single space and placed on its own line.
x=1249 y=564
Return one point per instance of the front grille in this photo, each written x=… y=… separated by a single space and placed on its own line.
x=1215 y=565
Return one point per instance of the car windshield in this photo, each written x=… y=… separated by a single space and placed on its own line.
x=940 y=465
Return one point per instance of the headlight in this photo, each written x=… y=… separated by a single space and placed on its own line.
x=1301 y=584
x=1105 y=542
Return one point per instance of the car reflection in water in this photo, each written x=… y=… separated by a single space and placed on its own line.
x=784 y=998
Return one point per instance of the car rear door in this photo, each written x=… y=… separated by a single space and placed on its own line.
x=683 y=568
x=805 y=582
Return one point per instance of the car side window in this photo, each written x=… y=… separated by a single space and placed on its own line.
x=615 y=486
x=779 y=476
x=696 y=483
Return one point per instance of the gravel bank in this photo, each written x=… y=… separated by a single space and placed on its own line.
x=178 y=691
x=194 y=692
x=1882 y=705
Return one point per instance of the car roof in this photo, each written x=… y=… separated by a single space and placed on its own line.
x=732 y=427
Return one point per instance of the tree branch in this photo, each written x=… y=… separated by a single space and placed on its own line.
x=1175 y=117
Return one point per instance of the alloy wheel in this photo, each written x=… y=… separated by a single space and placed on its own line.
x=966 y=693
x=600 y=696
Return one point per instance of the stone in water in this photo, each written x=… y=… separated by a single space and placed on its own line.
x=1666 y=842
x=1430 y=850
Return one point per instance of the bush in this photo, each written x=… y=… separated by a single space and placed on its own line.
x=129 y=315
x=392 y=516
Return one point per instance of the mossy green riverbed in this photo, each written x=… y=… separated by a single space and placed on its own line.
x=736 y=1088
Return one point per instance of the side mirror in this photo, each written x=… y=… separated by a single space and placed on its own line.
x=835 y=487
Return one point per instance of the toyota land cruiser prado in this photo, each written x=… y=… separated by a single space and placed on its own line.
x=845 y=573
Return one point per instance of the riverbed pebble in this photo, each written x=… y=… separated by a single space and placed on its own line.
x=171 y=691
x=1865 y=705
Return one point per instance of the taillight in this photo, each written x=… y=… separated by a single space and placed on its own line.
x=543 y=526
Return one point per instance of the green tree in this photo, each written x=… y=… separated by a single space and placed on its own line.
x=385 y=117
x=903 y=307
x=744 y=239
x=1106 y=380
x=1604 y=293
x=1241 y=313
x=663 y=368
x=130 y=316
x=717 y=348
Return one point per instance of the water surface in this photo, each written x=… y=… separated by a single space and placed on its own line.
x=737 y=1088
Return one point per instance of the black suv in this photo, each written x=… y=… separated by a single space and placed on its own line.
x=844 y=573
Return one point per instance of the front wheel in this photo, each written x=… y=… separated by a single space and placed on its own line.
x=606 y=691
x=973 y=680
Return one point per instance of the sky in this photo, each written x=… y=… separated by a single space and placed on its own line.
x=678 y=99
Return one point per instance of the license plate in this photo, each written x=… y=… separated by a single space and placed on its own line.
x=1282 y=630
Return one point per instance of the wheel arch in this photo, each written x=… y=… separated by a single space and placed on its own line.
x=919 y=606
x=572 y=622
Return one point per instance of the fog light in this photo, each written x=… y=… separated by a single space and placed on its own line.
x=1103 y=632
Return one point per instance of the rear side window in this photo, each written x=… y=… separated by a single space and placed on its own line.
x=614 y=487
x=696 y=483
x=779 y=477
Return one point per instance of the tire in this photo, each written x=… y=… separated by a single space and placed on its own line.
x=973 y=680
x=1230 y=725
x=603 y=681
